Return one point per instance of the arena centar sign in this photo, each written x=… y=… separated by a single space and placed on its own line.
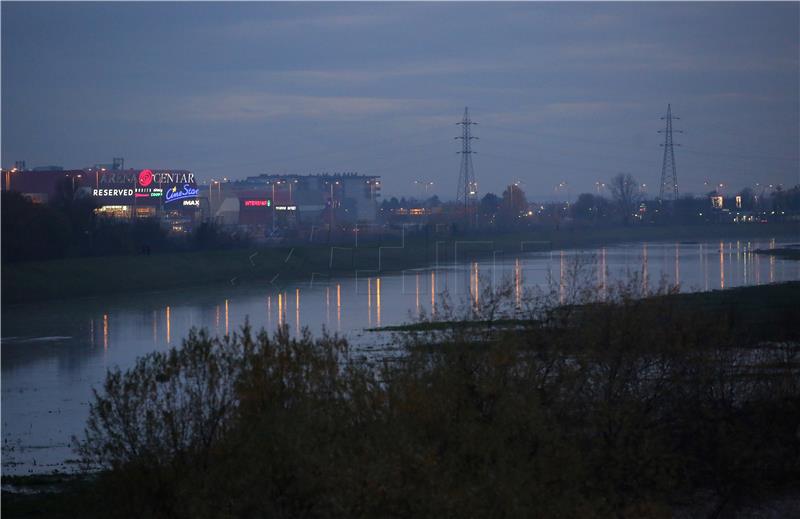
x=147 y=177
x=145 y=186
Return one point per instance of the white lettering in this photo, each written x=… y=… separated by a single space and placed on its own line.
x=112 y=192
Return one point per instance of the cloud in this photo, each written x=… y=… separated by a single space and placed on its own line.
x=600 y=20
x=654 y=56
x=572 y=109
x=395 y=70
x=265 y=105
x=257 y=28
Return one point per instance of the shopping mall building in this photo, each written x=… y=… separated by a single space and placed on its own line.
x=291 y=201
x=170 y=195
x=259 y=205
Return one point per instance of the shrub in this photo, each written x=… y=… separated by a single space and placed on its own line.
x=615 y=406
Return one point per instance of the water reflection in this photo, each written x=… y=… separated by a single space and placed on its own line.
x=433 y=293
x=378 y=301
x=644 y=268
x=602 y=271
x=721 y=265
x=168 y=320
x=416 y=294
x=297 y=310
x=562 y=287
x=52 y=374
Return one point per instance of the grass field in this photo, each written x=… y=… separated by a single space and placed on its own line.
x=95 y=276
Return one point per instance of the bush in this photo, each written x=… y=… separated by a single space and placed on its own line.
x=629 y=407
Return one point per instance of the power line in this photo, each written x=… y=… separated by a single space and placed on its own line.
x=669 y=175
x=467 y=187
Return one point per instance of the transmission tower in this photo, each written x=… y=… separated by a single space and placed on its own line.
x=467 y=186
x=669 y=176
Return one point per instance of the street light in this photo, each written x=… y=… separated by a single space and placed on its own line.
x=599 y=186
x=425 y=184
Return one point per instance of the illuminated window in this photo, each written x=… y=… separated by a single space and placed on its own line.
x=113 y=211
x=145 y=212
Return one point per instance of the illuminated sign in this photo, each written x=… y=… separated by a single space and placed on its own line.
x=173 y=194
x=195 y=203
x=112 y=192
x=738 y=201
x=286 y=208
x=148 y=192
x=257 y=203
x=145 y=177
x=716 y=202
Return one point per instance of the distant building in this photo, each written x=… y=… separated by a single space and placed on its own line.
x=170 y=195
x=290 y=201
x=348 y=197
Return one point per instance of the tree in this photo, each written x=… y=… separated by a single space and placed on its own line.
x=625 y=193
x=513 y=204
x=589 y=207
x=32 y=231
x=489 y=205
x=433 y=202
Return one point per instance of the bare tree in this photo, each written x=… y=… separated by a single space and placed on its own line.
x=625 y=192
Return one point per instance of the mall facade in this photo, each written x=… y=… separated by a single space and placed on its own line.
x=126 y=194
x=258 y=206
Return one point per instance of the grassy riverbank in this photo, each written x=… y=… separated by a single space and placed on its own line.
x=81 y=277
x=673 y=406
x=786 y=253
x=750 y=310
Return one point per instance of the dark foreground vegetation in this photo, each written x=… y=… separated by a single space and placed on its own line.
x=620 y=407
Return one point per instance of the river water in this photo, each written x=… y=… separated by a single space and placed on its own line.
x=53 y=354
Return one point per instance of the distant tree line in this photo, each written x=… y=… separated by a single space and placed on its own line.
x=626 y=205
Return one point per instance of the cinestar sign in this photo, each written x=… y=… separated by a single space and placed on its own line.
x=173 y=194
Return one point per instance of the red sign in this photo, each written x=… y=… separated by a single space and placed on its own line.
x=145 y=177
x=256 y=203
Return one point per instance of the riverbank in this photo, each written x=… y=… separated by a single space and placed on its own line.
x=83 y=277
x=750 y=310
x=792 y=253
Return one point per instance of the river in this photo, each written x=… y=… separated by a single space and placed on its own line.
x=54 y=353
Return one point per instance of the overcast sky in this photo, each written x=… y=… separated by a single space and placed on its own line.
x=562 y=92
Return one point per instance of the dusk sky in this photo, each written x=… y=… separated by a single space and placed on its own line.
x=562 y=92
